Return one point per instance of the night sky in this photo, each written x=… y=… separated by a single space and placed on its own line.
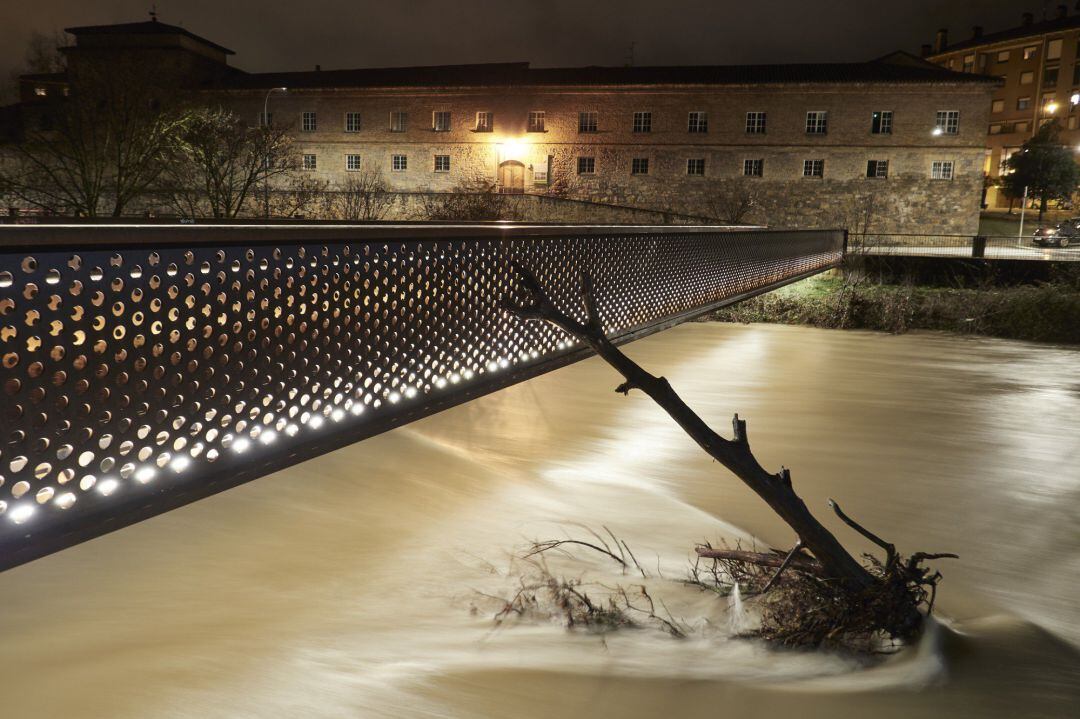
x=297 y=34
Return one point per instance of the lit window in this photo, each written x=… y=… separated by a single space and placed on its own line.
x=399 y=163
x=1030 y=51
x=484 y=122
x=941 y=170
x=817 y=122
x=352 y=163
x=813 y=168
x=639 y=166
x=753 y=168
x=642 y=122
x=40 y=91
x=1027 y=77
x=948 y=122
x=877 y=168
x=995 y=128
x=1003 y=56
x=697 y=122
x=1021 y=126
x=586 y=165
x=442 y=163
x=399 y=121
x=755 y=123
x=310 y=162
x=588 y=122
x=969 y=62
x=997 y=106
x=1053 y=49
x=695 y=166
x=881 y=122
x=440 y=121
x=352 y=122
x=307 y=122
x=537 y=120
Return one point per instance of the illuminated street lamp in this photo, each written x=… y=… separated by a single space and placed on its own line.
x=1051 y=107
x=266 y=155
x=937 y=131
x=1075 y=99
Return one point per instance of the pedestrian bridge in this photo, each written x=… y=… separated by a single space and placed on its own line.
x=147 y=366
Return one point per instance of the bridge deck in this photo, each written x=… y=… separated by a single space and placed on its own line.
x=145 y=367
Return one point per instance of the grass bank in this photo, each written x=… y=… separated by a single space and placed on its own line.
x=1047 y=312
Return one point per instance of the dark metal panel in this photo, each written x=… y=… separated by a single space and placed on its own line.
x=140 y=376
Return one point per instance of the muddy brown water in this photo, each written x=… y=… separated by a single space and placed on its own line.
x=351 y=585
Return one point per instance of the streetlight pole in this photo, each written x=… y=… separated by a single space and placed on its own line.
x=266 y=151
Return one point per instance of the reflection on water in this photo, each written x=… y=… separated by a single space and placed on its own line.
x=351 y=585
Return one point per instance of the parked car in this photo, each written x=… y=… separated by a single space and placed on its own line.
x=1063 y=234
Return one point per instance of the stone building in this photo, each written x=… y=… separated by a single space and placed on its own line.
x=897 y=141
x=1038 y=64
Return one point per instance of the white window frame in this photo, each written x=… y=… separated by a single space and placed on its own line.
x=309 y=121
x=881 y=170
x=639 y=166
x=697 y=122
x=695 y=162
x=948 y=121
x=399 y=163
x=310 y=161
x=485 y=121
x=817 y=122
x=437 y=121
x=756 y=122
x=942 y=170
x=352 y=163
x=588 y=122
x=537 y=121
x=352 y=122
x=754 y=167
x=399 y=121
x=439 y=159
x=642 y=122
x=885 y=123
x=586 y=160
x=813 y=168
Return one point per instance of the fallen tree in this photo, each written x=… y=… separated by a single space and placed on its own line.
x=890 y=597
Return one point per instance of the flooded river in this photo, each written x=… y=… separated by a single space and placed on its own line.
x=353 y=585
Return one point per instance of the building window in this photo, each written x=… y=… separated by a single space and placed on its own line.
x=352 y=122
x=753 y=168
x=1047 y=99
x=307 y=122
x=40 y=91
x=537 y=121
x=352 y=163
x=1076 y=74
x=997 y=106
x=1003 y=56
x=947 y=122
x=941 y=170
x=310 y=162
x=1072 y=122
x=817 y=122
x=877 y=168
x=813 y=168
x=639 y=166
x=1027 y=77
x=1021 y=126
x=484 y=122
x=586 y=165
x=755 y=123
x=266 y=119
x=399 y=163
x=440 y=121
x=1023 y=103
x=1053 y=49
x=642 y=122
x=399 y=121
x=969 y=62
x=695 y=166
x=995 y=128
x=587 y=122
x=1050 y=77
x=442 y=163
x=1029 y=51
x=881 y=122
x=697 y=122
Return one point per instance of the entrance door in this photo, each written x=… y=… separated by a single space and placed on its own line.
x=512 y=178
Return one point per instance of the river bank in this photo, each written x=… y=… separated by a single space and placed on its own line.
x=1042 y=312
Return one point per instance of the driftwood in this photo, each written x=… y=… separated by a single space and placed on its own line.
x=890 y=593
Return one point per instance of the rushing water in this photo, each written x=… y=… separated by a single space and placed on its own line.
x=352 y=585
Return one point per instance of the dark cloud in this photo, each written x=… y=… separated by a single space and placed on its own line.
x=297 y=34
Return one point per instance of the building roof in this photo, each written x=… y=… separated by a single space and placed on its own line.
x=149 y=27
x=1035 y=29
x=895 y=68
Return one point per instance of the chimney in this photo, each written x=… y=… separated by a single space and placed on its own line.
x=976 y=32
x=924 y=51
x=942 y=40
x=1063 y=11
x=1027 y=19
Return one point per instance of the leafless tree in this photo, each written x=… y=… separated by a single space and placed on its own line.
x=217 y=162
x=733 y=200
x=363 y=196
x=475 y=199
x=303 y=195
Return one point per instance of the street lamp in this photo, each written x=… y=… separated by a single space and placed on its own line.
x=266 y=154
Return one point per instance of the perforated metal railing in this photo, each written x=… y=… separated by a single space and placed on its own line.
x=144 y=367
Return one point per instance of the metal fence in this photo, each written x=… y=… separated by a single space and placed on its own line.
x=146 y=367
x=991 y=247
